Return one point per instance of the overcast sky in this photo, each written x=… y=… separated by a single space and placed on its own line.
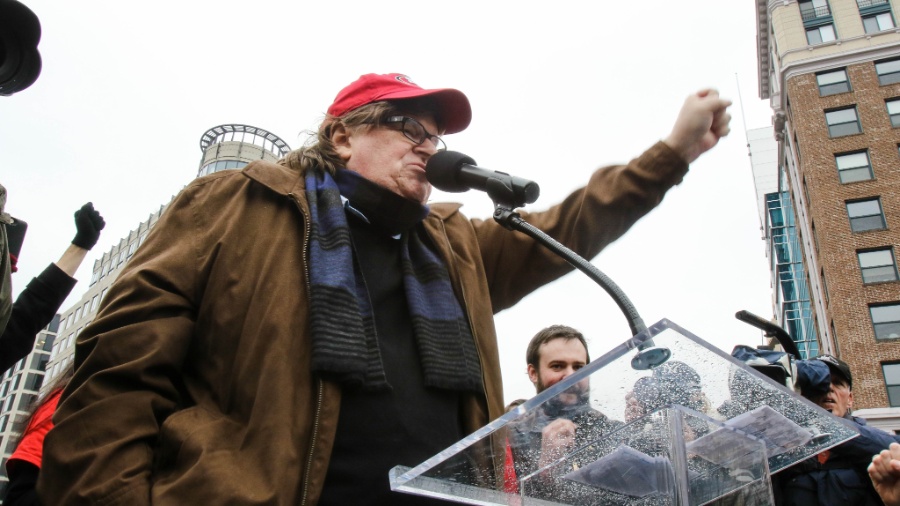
x=557 y=89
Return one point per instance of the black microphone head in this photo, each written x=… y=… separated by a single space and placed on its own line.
x=443 y=168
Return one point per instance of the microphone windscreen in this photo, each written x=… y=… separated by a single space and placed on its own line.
x=442 y=170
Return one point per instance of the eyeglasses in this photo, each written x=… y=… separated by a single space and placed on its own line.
x=414 y=131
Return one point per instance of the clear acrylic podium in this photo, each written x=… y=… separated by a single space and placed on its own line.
x=697 y=428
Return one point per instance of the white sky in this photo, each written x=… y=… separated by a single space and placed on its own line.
x=557 y=89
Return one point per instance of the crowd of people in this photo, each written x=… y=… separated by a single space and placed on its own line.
x=290 y=332
x=862 y=471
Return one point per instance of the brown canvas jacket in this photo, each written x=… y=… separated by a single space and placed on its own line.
x=193 y=383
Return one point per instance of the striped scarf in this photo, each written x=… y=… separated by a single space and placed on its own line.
x=344 y=341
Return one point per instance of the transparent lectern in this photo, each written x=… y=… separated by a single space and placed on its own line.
x=665 y=418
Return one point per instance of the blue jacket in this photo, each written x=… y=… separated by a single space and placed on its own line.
x=837 y=476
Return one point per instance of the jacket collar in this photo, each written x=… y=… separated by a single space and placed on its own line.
x=287 y=182
x=278 y=178
x=443 y=210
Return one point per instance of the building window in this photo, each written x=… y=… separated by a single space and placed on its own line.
x=893 y=109
x=833 y=82
x=820 y=34
x=892 y=382
x=877 y=265
x=853 y=167
x=878 y=22
x=865 y=215
x=886 y=320
x=34 y=381
x=825 y=287
x=843 y=122
x=888 y=71
x=812 y=9
x=221 y=165
x=815 y=235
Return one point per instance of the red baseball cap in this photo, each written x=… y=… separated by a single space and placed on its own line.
x=453 y=108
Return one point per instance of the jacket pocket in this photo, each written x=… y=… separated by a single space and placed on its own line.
x=201 y=462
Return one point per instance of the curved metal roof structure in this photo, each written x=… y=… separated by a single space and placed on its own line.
x=210 y=135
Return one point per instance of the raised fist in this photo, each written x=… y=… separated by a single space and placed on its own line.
x=88 y=224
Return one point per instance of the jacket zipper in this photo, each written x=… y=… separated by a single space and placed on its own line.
x=320 y=387
x=312 y=444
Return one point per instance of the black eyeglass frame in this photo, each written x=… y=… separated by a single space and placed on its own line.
x=438 y=142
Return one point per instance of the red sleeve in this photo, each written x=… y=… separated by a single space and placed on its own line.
x=510 y=481
x=31 y=445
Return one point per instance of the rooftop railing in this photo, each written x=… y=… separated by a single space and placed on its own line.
x=807 y=11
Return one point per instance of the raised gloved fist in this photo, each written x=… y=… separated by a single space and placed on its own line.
x=88 y=224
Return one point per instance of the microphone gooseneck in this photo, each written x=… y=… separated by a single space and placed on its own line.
x=455 y=172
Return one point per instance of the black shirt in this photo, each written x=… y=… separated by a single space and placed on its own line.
x=403 y=426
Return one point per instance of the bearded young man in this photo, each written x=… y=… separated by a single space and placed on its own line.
x=290 y=332
x=565 y=422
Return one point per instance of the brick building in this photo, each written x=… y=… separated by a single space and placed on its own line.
x=831 y=70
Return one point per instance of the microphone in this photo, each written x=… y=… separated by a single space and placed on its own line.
x=454 y=172
x=770 y=330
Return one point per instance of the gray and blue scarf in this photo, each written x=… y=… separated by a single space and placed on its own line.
x=344 y=341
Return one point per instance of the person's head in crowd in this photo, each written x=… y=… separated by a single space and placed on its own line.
x=679 y=383
x=642 y=398
x=554 y=354
x=385 y=127
x=839 y=398
x=514 y=404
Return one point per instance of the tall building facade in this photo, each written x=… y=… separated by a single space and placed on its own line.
x=223 y=147
x=20 y=386
x=831 y=70
x=778 y=221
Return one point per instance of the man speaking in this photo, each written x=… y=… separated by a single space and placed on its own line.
x=290 y=332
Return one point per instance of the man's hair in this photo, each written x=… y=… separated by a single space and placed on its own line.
x=514 y=404
x=533 y=353
x=319 y=152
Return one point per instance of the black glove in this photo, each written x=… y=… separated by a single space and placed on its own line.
x=89 y=223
